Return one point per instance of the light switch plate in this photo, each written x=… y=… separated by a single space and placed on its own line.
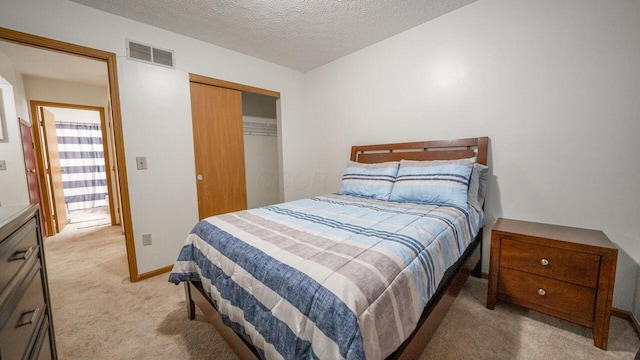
x=141 y=162
x=146 y=239
x=3 y=165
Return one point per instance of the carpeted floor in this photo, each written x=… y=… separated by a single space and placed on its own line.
x=99 y=314
x=90 y=215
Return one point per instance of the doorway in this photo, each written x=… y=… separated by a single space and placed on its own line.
x=74 y=165
x=109 y=61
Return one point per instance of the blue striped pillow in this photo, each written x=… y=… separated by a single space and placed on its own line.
x=433 y=182
x=369 y=180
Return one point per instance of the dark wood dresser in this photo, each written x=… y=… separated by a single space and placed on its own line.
x=26 y=326
x=561 y=271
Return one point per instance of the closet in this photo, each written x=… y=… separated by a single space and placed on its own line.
x=219 y=147
x=260 y=149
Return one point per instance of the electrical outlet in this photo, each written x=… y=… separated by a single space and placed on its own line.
x=141 y=162
x=146 y=239
x=3 y=165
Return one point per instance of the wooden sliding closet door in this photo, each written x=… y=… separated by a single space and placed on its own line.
x=219 y=149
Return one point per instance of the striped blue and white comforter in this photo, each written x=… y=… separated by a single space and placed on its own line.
x=329 y=277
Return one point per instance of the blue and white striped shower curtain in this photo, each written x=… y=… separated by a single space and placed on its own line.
x=82 y=159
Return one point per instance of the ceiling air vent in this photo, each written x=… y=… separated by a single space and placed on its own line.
x=150 y=54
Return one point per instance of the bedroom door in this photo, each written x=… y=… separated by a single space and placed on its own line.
x=219 y=149
x=28 y=149
x=54 y=170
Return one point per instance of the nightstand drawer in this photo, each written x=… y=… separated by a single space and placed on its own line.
x=571 y=266
x=570 y=299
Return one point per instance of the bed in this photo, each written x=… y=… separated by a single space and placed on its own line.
x=348 y=275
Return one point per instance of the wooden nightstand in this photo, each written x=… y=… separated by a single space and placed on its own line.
x=561 y=271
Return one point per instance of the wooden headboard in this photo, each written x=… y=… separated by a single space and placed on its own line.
x=425 y=150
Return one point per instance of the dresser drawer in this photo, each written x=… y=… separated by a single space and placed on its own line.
x=575 y=267
x=18 y=333
x=16 y=249
x=570 y=299
x=42 y=348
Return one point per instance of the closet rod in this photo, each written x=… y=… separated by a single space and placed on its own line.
x=257 y=133
x=76 y=123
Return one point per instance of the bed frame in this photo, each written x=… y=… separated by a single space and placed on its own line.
x=454 y=277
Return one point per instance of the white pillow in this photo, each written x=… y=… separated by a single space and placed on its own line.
x=478 y=186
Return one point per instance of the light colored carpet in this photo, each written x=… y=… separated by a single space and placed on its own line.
x=99 y=314
x=471 y=331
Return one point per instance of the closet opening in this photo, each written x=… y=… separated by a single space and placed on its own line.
x=260 y=131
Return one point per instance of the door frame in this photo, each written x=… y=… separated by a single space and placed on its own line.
x=46 y=193
x=109 y=58
x=200 y=79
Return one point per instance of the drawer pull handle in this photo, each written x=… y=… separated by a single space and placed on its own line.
x=541 y=292
x=21 y=255
x=31 y=319
x=544 y=262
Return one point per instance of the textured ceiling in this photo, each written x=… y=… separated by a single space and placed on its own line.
x=55 y=65
x=298 y=34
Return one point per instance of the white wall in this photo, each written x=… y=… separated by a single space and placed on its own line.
x=554 y=84
x=9 y=73
x=13 y=182
x=65 y=92
x=261 y=166
x=156 y=110
x=75 y=115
